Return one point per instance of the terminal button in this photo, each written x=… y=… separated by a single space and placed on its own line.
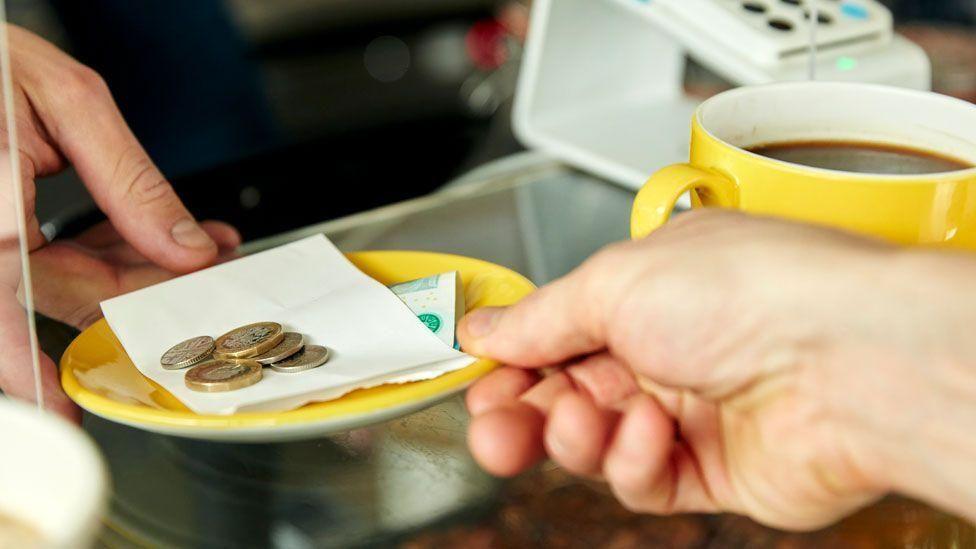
x=854 y=11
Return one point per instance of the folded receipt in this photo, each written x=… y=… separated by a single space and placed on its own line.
x=308 y=287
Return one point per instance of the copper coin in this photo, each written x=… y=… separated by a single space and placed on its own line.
x=221 y=375
x=248 y=341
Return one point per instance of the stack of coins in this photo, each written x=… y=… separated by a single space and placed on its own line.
x=236 y=359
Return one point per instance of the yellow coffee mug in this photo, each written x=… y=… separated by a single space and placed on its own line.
x=933 y=209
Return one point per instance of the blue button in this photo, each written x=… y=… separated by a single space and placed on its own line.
x=854 y=11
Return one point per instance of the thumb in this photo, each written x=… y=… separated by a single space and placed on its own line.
x=552 y=325
x=89 y=129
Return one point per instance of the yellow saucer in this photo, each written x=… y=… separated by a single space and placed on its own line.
x=98 y=375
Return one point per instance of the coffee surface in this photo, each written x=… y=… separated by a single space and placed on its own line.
x=873 y=158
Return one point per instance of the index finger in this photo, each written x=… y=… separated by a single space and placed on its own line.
x=76 y=108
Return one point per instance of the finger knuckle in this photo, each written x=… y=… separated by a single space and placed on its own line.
x=81 y=85
x=138 y=179
x=606 y=380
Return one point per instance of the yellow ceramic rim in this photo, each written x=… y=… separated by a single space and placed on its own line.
x=866 y=178
x=357 y=402
x=364 y=401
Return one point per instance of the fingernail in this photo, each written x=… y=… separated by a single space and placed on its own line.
x=189 y=234
x=482 y=322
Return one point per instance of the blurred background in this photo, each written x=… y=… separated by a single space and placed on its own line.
x=276 y=114
x=273 y=115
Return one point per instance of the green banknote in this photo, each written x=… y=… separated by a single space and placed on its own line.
x=438 y=301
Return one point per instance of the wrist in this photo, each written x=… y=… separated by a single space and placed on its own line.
x=907 y=395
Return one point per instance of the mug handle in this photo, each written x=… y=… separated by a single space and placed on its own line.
x=656 y=201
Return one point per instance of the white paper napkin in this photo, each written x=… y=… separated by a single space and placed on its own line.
x=307 y=286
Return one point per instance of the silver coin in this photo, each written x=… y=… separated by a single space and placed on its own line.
x=187 y=353
x=309 y=358
x=290 y=344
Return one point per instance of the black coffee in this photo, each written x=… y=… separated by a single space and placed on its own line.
x=861 y=157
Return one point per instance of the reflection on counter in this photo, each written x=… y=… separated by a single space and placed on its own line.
x=362 y=487
x=549 y=505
